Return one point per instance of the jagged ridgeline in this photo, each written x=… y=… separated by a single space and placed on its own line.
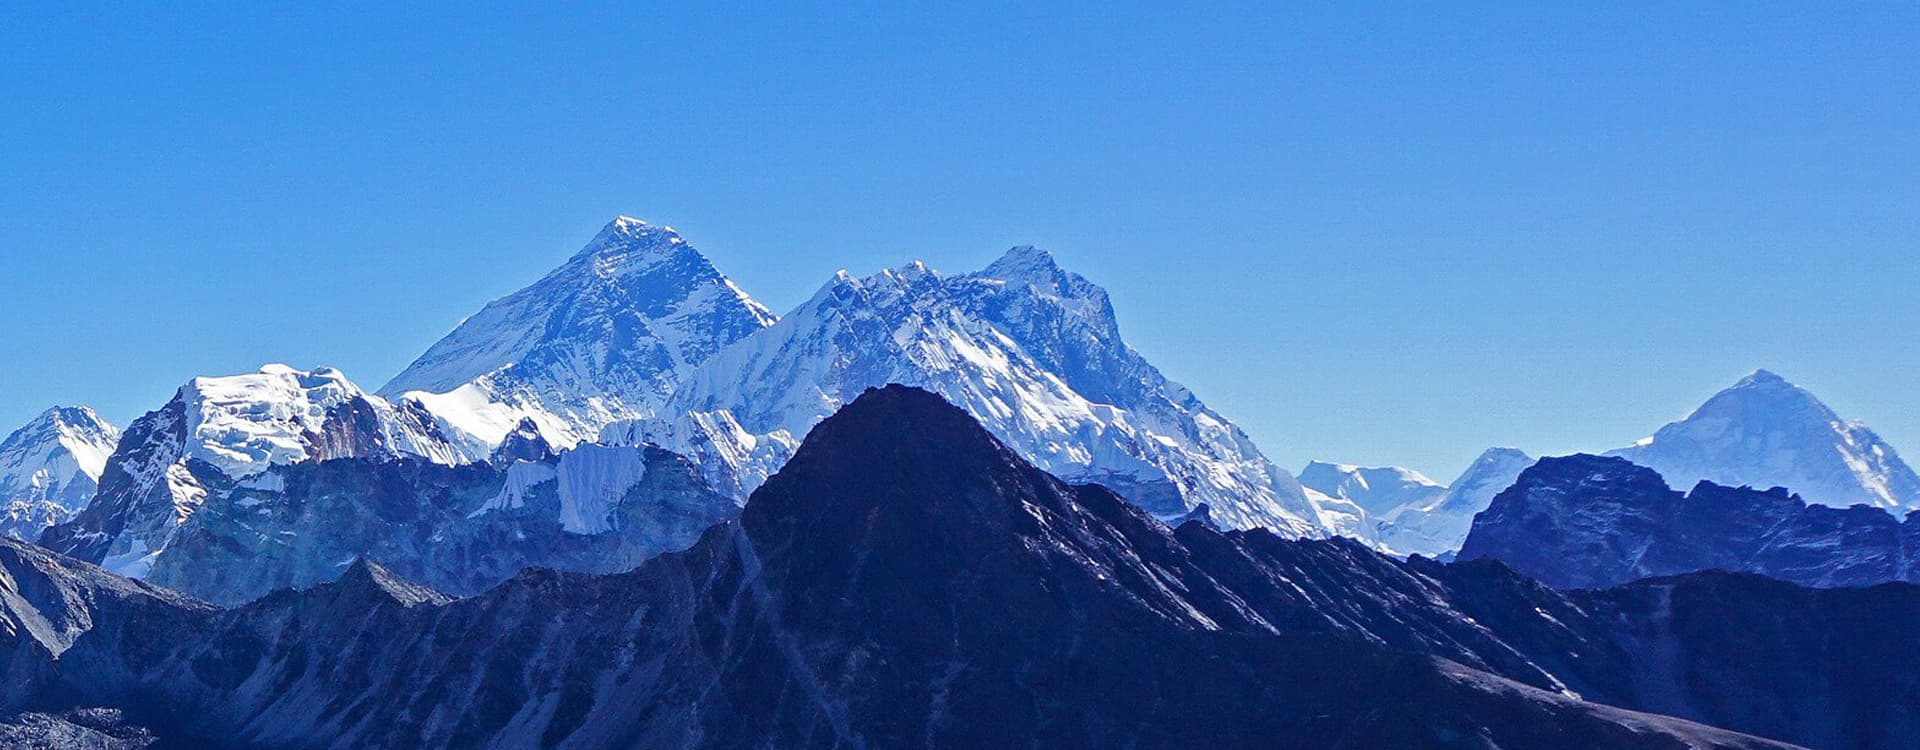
x=1761 y=432
x=909 y=580
x=629 y=399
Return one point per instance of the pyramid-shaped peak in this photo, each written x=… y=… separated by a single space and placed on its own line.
x=368 y=578
x=626 y=234
x=1765 y=388
x=896 y=408
x=1503 y=453
x=897 y=436
x=1023 y=263
x=1763 y=379
x=71 y=416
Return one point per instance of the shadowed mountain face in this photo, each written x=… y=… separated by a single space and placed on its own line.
x=908 y=581
x=1590 y=521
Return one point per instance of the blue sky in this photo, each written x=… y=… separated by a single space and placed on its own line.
x=1395 y=234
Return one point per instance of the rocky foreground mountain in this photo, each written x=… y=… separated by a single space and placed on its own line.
x=1590 y=521
x=907 y=580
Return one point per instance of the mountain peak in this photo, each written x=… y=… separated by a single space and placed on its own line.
x=1768 y=385
x=1764 y=431
x=1502 y=452
x=1762 y=377
x=1023 y=263
x=604 y=337
x=366 y=577
x=892 y=443
x=70 y=417
x=1378 y=489
x=627 y=238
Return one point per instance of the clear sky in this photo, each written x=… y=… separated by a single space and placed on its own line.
x=1387 y=235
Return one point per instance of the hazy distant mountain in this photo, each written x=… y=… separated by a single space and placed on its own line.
x=1437 y=526
x=1767 y=432
x=1377 y=489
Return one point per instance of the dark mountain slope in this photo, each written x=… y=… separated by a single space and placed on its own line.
x=908 y=581
x=1591 y=521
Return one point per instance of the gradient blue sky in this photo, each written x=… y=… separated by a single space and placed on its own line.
x=1387 y=235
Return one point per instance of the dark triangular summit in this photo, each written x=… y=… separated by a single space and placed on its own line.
x=366 y=578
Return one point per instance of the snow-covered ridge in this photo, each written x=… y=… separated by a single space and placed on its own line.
x=50 y=467
x=604 y=337
x=1439 y=524
x=637 y=339
x=220 y=429
x=243 y=424
x=1031 y=350
x=1378 y=489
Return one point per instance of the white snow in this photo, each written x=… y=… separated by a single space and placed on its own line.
x=243 y=424
x=1766 y=432
x=603 y=338
x=593 y=480
x=50 y=467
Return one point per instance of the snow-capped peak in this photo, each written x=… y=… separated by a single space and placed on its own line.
x=1439 y=523
x=1035 y=356
x=50 y=467
x=1764 y=431
x=1378 y=489
x=629 y=245
x=244 y=423
x=1024 y=264
x=606 y=336
x=234 y=427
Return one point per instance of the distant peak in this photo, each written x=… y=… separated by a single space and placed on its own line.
x=628 y=234
x=1762 y=378
x=1769 y=388
x=1503 y=452
x=1318 y=465
x=73 y=416
x=1023 y=263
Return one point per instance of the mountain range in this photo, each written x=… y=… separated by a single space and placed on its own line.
x=523 y=437
x=1763 y=431
x=907 y=579
x=629 y=506
x=639 y=342
x=1592 y=521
